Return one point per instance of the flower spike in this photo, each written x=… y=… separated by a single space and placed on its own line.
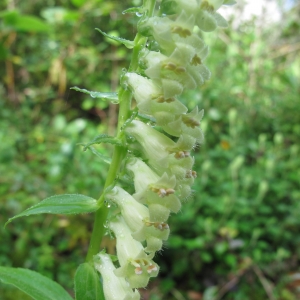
x=159 y=166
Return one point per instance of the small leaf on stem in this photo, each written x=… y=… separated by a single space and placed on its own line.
x=113 y=97
x=128 y=44
x=61 y=204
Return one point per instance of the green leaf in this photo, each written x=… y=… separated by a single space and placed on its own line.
x=78 y=3
x=102 y=138
x=25 y=23
x=104 y=158
x=126 y=43
x=87 y=283
x=113 y=97
x=134 y=10
x=61 y=204
x=33 y=284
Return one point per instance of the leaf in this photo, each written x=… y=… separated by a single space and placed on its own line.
x=27 y=23
x=126 y=43
x=87 y=283
x=33 y=284
x=78 y=3
x=134 y=10
x=61 y=204
x=113 y=97
x=102 y=138
x=104 y=158
x=128 y=121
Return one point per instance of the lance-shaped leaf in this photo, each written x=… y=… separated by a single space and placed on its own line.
x=87 y=283
x=113 y=97
x=104 y=158
x=134 y=10
x=61 y=204
x=102 y=138
x=126 y=43
x=33 y=284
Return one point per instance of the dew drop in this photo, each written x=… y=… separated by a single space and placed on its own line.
x=115 y=101
x=138 y=14
x=131 y=139
x=107 y=204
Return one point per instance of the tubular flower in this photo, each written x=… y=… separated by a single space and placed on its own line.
x=115 y=288
x=135 y=265
x=137 y=218
x=159 y=166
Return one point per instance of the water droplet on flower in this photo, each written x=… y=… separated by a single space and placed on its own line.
x=107 y=204
x=131 y=139
x=106 y=224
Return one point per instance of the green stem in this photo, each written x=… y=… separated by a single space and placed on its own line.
x=119 y=152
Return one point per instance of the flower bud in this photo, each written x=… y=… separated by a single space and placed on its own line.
x=115 y=288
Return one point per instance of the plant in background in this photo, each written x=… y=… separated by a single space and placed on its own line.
x=151 y=171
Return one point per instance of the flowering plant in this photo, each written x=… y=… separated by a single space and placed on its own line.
x=152 y=147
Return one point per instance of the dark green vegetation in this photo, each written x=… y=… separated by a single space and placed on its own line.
x=238 y=238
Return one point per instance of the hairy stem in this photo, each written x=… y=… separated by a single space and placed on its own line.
x=125 y=96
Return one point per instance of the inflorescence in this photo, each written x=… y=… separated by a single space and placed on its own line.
x=162 y=169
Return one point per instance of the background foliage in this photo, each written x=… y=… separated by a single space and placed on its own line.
x=238 y=237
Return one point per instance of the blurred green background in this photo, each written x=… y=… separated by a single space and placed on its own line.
x=238 y=236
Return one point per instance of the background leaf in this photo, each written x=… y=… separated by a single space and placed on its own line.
x=87 y=283
x=25 y=23
x=34 y=284
x=61 y=204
